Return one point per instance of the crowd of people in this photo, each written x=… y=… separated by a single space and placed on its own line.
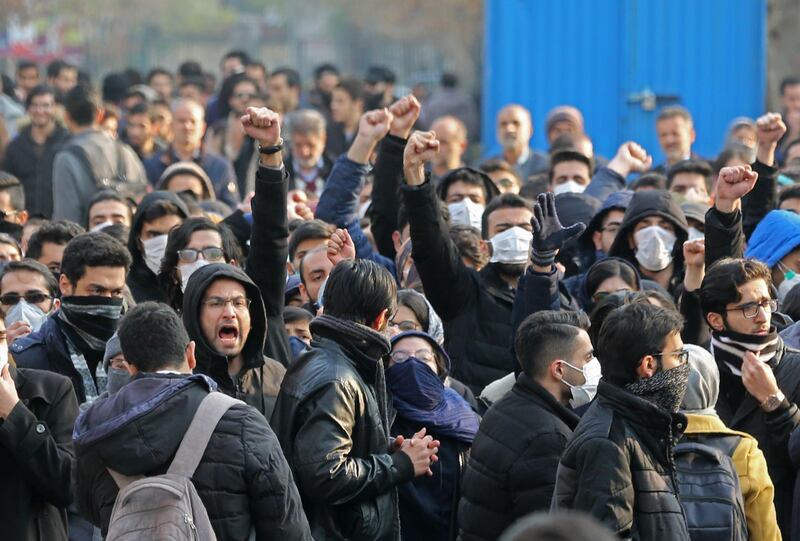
x=257 y=310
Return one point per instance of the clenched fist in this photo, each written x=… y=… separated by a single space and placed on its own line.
x=734 y=183
x=422 y=146
x=631 y=158
x=263 y=125
x=406 y=112
x=770 y=128
x=374 y=125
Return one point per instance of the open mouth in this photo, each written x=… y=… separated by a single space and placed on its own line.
x=228 y=335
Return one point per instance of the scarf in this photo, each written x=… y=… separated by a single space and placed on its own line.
x=729 y=347
x=418 y=394
x=665 y=389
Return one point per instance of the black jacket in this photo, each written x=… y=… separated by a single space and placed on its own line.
x=653 y=203
x=36 y=457
x=28 y=161
x=242 y=479
x=331 y=419
x=740 y=411
x=514 y=458
x=143 y=282
x=618 y=467
x=388 y=176
x=474 y=306
x=260 y=378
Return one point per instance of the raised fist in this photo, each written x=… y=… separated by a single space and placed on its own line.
x=263 y=125
x=422 y=146
x=694 y=253
x=631 y=158
x=770 y=128
x=735 y=182
x=406 y=112
x=340 y=247
x=374 y=125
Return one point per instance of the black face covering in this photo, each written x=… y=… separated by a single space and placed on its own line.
x=511 y=269
x=665 y=389
x=12 y=229
x=94 y=319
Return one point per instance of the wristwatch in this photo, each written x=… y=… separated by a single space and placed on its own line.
x=274 y=149
x=772 y=402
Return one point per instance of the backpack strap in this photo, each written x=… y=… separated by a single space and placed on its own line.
x=123 y=480
x=194 y=442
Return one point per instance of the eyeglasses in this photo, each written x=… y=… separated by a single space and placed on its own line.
x=750 y=310
x=682 y=355
x=406 y=325
x=600 y=295
x=4 y=215
x=34 y=297
x=217 y=304
x=210 y=253
x=401 y=356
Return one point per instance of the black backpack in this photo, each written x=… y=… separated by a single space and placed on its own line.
x=709 y=489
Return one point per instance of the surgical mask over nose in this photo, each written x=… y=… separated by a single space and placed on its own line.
x=511 y=246
x=570 y=186
x=466 y=212
x=154 y=250
x=584 y=393
x=29 y=313
x=189 y=269
x=654 y=246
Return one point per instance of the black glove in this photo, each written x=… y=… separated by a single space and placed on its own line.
x=549 y=236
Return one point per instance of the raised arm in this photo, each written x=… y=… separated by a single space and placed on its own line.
x=723 y=232
x=630 y=158
x=763 y=197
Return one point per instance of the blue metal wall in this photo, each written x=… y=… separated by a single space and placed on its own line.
x=594 y=54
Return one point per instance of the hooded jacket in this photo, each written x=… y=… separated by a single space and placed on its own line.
x=260 y=378
x=188 y=168
x=653 y=203
x=243 y=478
x=142 y=282
x=463 y=172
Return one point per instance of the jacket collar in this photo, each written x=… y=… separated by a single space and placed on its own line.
x=530 y=389
x=495 y=285
x=361 y=345
x=28 y=388
x=640 y=412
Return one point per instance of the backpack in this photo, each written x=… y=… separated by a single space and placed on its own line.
x=709 y=490
x=167 y=506
x=118 y=181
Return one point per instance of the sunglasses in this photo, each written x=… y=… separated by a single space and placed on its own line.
x=10 y=299
x=210 y=253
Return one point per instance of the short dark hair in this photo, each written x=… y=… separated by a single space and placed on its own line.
x=449 y=80
x=109 y=195
x=502 y=201
x=295 y=313
x=292 y=77
x=569 y=156
x=82 y=105
x=36 y=91
x=239 y=54
x=24 y=64
x=153 y=338
x=197 y=81
x=11 y=184
x=158 y=209
x=159 y=71
x=724 y=277
x=311 y=229
x=121 y=232
x=60 y=232
x=359 y=290
x=415 y=302
x=610 y=268
x=31 y=265
x=631 y=332
x=55 y=68
x=93 y=250
x=545 y=336
x=140 y=108
x=115 y=84
x=190 y=68
x=694 y=167
x=792 y=80
x=657 y=181
x=353 y=87
x=324 y=68
x=790 y=192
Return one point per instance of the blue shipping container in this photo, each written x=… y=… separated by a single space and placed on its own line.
x=620 y=61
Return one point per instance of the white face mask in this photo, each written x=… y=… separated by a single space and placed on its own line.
x=466 y=212
x=654 y=246
x=583 y=394
x=363 y=208
x=189 y=269
x=154 y=250
x=100 y=227
x=695 y=234
x=569 y=186
x=29 y=313
x=511 y=246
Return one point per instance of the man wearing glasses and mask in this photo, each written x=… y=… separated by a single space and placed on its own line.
x=759 y=374
x=27 y=296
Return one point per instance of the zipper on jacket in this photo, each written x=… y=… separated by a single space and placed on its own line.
x=190 y=523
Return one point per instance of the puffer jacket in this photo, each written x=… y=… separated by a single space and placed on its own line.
x=258 y=382
x=618 y=467
x=653 y=203
x=474 y=306
x=143 y=282
x=332 y=421
x=242 y=479
x=751 y=467
x=514 y=458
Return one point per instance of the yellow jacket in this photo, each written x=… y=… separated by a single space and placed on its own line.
x=750 y=464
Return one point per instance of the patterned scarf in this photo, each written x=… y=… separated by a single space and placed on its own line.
x=665 y=389
x=730 y=347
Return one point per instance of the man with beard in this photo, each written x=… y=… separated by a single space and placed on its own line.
x=25 y=152
x=73 y=340
x=514 y=132
x=475 y=306
x=308 y=165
